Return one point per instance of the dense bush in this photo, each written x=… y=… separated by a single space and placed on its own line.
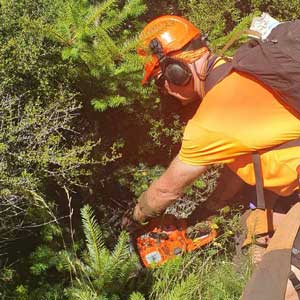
x=115 y=274
x=220 y=19
x=77 y=125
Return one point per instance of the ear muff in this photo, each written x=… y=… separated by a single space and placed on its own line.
x=174 y=71
x=177 y=72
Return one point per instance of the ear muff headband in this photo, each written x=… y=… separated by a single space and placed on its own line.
x=174 y=71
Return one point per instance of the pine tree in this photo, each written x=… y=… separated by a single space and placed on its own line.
x=101 y=273
x=99 y=39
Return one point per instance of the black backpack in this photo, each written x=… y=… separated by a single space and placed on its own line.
x=275 y=62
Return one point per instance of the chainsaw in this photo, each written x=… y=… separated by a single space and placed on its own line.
x=167 y=236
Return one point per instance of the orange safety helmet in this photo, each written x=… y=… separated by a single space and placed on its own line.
x=173 y=33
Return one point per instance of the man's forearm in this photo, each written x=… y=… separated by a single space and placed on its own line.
x=165 y=190
x=156 y=199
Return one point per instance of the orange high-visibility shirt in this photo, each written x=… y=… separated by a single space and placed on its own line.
x=237 y=117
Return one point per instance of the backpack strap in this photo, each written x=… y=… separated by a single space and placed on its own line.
x=298 y=171
x=259 y=175
x=259 y=182
x=217 y=74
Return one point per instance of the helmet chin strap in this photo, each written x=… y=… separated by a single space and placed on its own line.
x=199 y=71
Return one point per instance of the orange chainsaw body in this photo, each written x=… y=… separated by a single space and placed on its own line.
x=166 y=237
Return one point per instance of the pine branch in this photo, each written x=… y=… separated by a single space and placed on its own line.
x=93 y=236
x=136 y=296
x=101 y=9
x=184 y=289
x=103 y=41
x=121 y=252
x=82 y=294
x=133 y=8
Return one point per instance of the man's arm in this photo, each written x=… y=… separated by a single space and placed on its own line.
x=166 y=189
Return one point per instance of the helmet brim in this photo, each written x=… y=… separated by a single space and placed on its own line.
x=149 y=69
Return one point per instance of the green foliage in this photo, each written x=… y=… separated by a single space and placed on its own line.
x=40 y=148
x=164 y=134
x=102 y=274
x=54 y=53
x=82 y=25
x=98 y=39
x=245 y=23
x=223 y=19
x=283 y=10
x=212 y=16
x=34 y=152
x=43 y=258
x=199 y=276
x=139 y=177
x=173 y=281
x=39 y=144
x=203 y=274
x=29 y=64
x=222 y=280
x=136 y=296
x=34 y=146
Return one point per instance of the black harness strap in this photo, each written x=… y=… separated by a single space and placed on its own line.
x=217 y=74
x=289 y=144
x=259 y=181
x=259 y=184
x=298 y=171
x=258 y=171
x=295 y=261
x=295 y=282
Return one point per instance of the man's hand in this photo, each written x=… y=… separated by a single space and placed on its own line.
x=138 y=215
x=129 y=223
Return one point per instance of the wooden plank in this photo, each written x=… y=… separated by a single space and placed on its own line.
x=269 y=280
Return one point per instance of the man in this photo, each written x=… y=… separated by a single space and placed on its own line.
x=237 y=117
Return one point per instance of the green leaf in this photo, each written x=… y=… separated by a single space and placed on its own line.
x=99 y=105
